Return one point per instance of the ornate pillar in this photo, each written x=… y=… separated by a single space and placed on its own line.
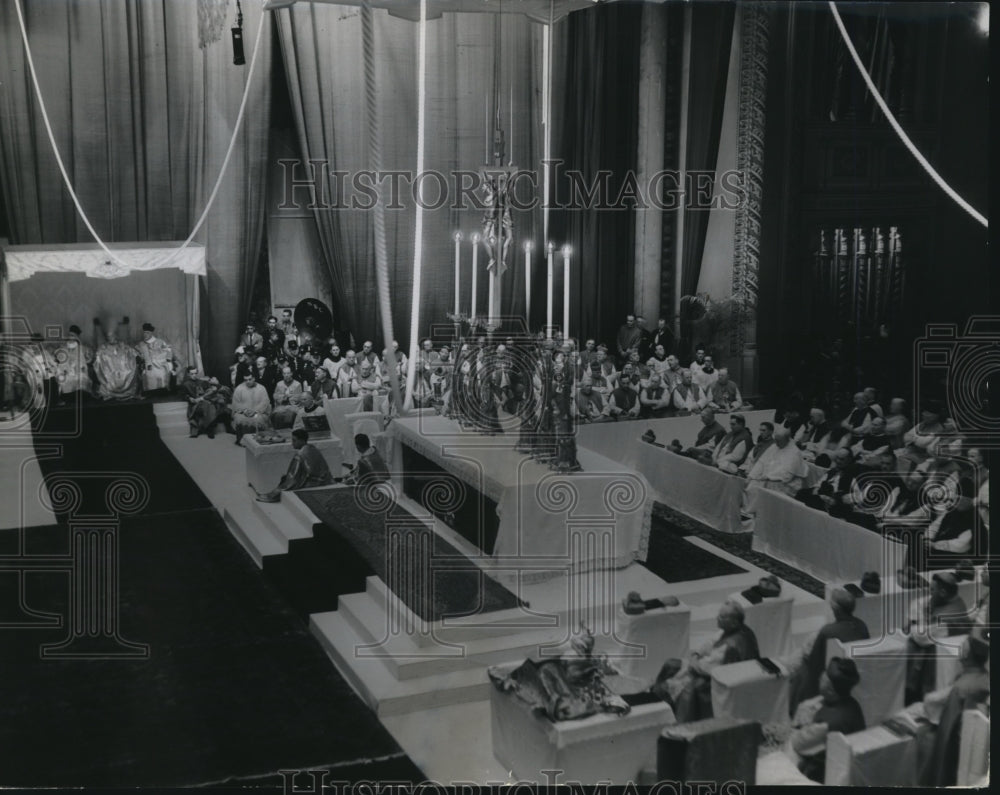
x=650 y=157
x=754 y=24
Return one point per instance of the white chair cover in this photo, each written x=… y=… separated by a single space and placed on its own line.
x=882 y=667
x=664 y=633
x=771 y=622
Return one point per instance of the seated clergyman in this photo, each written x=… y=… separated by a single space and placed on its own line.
x=307 y=468
x=724 y=395
x=734 y=447
x=371 y=466
x=687 y=684
x=833 y=710
x=250 y=407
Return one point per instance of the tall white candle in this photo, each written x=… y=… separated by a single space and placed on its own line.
x=548 y=300
x=527 y=281
x=475 y=272
x=566 y=250
x=457 y=237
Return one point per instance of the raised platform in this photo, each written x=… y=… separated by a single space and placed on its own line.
x=416 y=674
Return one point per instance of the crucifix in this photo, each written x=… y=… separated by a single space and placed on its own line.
x=496 y=179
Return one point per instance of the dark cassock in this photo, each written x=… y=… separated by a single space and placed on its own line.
x=307 y=469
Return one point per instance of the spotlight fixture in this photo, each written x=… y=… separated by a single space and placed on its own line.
x=983 y=19
x=238 y=58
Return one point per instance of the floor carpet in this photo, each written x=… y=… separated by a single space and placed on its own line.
x=234 y=687
x=673 y=559
x=451 y=592
x=673 y=524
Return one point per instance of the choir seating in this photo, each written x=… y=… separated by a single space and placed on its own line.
x=771 y=622
x=882 y=667
x=651 y=637
x=874 y=757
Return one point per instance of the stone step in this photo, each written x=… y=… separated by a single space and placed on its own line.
x=300 y=510
x=376 y=684
x=463 y=629
x=281 y=520
x=167 y=409
x=409 y=656
x=256 y=539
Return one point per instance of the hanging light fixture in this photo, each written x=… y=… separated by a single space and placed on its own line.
x=238 y=58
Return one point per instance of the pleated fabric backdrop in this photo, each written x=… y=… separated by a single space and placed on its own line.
x=142 y=118
x=323 y=53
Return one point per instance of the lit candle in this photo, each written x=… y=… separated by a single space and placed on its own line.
x=566 y=250
x=548 y=301
x=527 y=282
x=457 y=237
x=475 y=275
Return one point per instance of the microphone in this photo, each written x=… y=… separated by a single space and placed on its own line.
x=238 y=59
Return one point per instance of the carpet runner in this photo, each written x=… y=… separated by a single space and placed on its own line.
x=446 y=592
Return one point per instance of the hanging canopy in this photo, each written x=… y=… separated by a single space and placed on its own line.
x=23 y=262
x=539 y=10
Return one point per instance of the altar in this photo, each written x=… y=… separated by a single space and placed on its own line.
x=547 y=521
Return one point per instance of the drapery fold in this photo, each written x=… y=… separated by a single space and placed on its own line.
x=711 y=43
x=596 y=79
x=142 y=118
x=322 y=48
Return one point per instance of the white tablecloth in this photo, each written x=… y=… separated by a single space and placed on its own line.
x=827 y=548
x=550 y=522
x=702 y=492
x=745 y=690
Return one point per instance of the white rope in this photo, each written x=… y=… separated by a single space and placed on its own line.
x=418 y=232
x=378 y=219
x=62 y=167
x=899 y=130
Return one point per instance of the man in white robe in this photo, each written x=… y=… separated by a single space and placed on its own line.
x=779 y=468
x=251 y=407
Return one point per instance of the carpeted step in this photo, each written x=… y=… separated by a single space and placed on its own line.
x=464 y=629
x=414 y=655
x=378 y=687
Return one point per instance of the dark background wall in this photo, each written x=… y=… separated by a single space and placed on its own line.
x=833 y=160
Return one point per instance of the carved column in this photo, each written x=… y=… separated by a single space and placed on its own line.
x=652 y=104
x=754 y=24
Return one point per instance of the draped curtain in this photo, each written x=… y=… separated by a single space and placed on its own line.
x=142 y=118
x=595 y=105
x=323 y=51
x=711 y=42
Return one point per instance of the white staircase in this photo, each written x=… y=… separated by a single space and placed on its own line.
x=171 y=418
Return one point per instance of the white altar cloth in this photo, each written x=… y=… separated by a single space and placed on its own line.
x=595 y=519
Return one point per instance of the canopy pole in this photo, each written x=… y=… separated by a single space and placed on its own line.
x=418 y=231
